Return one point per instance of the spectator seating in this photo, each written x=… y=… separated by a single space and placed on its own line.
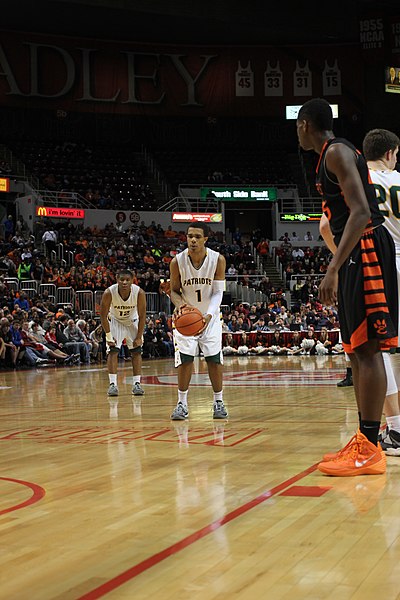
x=222 y=165
x=109 y=177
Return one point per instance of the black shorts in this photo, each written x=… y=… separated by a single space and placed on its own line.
x=367 y=294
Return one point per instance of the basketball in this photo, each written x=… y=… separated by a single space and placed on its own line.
x=190 y=322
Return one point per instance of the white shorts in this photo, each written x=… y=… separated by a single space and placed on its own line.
x=209 y=342
x=123 y=331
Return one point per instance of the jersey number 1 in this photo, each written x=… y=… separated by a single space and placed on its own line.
x=198 y=294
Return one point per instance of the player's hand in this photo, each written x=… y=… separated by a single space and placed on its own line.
x=165 y=288
x=137 y=342
x=178 y=311
x=110 y=341
x=327 y=291
x=207 y=319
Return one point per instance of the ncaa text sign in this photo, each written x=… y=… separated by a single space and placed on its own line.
x=60 y=213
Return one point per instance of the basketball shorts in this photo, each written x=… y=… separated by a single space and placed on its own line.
x=367 y=294
x=124 y=331
x=209 y=342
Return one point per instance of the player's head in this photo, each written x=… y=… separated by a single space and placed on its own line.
x=315 y=116
x=124 y=278
x=203 y=226
x=381 y=144
x=197 y=236
x=318 y=112
x=124 y=273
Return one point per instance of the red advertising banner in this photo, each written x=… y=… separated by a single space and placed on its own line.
x=69 y=74
x=197 y=217
x=60 y=213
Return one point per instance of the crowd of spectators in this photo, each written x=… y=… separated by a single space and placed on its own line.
x=97 y=256
x=276 y=316
x=147 y=251
x=302 y=260
x=305 y=331
x=303 y=266
x=311 y=343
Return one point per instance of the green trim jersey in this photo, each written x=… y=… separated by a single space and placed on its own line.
x=124 y=311
x=196 y=284
x=387 y=187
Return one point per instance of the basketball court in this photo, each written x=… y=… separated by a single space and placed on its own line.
x=106 y=497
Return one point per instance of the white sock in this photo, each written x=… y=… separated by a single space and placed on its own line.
x=136 y=379
x=182 y=397
x=394 y=422
x=218 y=397
x=112 y=378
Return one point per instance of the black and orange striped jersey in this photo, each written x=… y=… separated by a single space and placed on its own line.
x=334 y=203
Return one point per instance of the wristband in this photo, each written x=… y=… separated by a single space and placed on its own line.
x=109 y=337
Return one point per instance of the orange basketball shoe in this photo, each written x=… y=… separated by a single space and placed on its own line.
x=361 y=458
x=334 y=455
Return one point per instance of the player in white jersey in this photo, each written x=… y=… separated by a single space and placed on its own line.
x=123 y=317
x=380 y=149
x=198 y=279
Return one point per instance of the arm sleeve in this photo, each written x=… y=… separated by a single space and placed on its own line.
x=218 y=287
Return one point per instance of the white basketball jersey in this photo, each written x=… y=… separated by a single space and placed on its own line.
x=124 y=311
x=387 y=186
x=302 y=83
x=331 y=80
x=196 y=284
x=273 y=80
x=244 y=79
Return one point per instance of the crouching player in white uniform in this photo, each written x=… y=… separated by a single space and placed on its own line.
x=198 y=280
x=123 y=317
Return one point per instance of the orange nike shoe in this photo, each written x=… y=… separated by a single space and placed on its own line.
x=362 y=458
x=334 y=455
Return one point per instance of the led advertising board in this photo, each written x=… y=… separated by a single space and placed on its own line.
x=60 y=213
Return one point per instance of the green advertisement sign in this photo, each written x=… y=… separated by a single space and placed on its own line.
x=239 y=194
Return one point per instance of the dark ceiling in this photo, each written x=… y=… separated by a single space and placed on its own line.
x=224 y=22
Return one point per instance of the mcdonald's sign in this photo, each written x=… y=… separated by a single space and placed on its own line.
x=60 y=213
x=4 y=184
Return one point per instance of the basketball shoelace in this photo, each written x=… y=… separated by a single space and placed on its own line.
x=351 y=445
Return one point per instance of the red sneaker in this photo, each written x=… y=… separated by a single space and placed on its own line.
x=361 y=458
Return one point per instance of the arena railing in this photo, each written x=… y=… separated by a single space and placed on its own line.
x=12 y=283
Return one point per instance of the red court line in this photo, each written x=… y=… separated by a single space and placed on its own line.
x=38 y=494
x=146 y=564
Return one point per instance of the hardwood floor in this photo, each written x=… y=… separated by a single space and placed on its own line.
x=104 y=497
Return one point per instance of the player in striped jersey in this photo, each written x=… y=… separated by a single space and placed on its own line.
x=361 y=275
